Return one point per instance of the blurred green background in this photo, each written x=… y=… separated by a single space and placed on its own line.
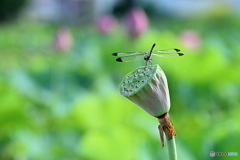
x=59 y=95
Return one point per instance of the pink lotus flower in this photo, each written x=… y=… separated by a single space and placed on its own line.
x=106 y=23
x=63 y=39
x=190 y=39
x=136 y=22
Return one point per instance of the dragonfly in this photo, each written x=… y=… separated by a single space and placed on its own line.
x=136 y=56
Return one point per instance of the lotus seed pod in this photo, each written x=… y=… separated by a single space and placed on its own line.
x=148 y=88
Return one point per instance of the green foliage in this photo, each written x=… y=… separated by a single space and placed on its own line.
x=66 y=105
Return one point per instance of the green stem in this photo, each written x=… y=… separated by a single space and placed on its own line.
x=172 y=150
x=166 y=126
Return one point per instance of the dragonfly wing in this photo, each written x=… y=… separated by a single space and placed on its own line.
x=131 y=58
x=168 y=53
x=128 y=54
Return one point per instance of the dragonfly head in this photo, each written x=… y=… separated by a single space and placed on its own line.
x=147 y=57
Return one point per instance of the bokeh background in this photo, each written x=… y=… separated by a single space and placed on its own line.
x=59 y=97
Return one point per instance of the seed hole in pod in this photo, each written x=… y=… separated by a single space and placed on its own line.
x=142 y=81
x=138 y=81
x=136 y=87
x=130 y=90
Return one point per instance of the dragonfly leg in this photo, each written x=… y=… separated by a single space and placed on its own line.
x=150 y=61
x=146 y=64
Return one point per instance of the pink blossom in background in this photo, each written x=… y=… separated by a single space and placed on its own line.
x=190 y=39
x=136 y=22
x=63 y=39
x=106 y=23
